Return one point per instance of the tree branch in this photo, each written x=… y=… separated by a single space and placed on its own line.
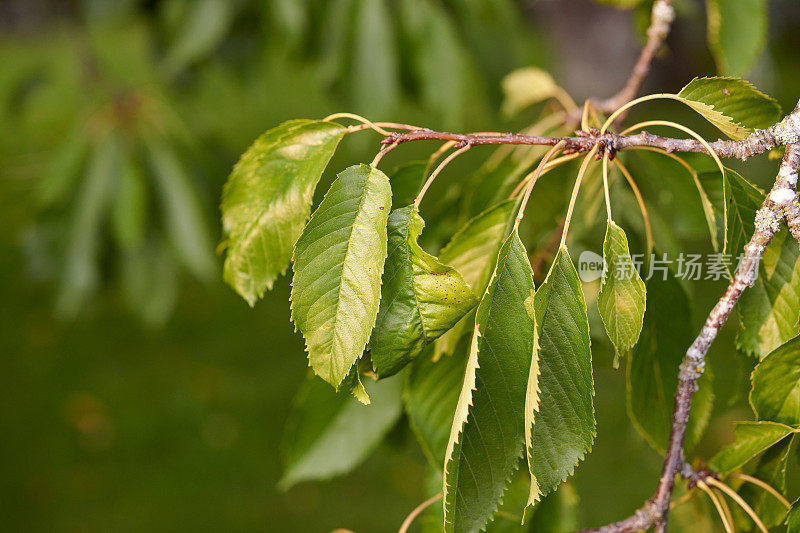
x=781 y=202
x=759 y=142
x=661 y=19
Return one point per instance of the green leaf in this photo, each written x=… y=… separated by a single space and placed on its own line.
x=771 y=469
x=267 y=199
x=556 y=513
x=186 y=225
x=64 y=170
x=652 y=376
x=752 y=438
x=375 y=84
x=793 y=518
x=338 y=262
x=737 y=33
x=525 y=87
x=732 y=105
x=129 y=216
x=407 y=180
x=150 y=281
x=431 y=395
x=563 y=428
x=81 y=274
x=420 y=300
x=621 y=300
x=775 y=393
x=440 y=62
x=473 y=253
x=742 y=200
x=329 y=433
x=769 y=310
x=201 y=31
x=486 y=439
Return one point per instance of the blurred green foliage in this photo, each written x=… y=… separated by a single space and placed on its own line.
x=121 y=121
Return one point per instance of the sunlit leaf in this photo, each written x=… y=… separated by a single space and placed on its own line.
x=525 y=87
x=486 y=439
x=775 y=394
x=338 y=263
x=563 y=424
x=622 y=293
x=752 y=438
x=330 y=433
x=421 y=298
x=267 y=199
x=732 y=105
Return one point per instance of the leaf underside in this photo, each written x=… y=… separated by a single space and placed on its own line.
x=752 y=438
x=421 y=297
x=621 y=300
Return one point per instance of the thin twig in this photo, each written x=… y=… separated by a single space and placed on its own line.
x=740 y=501
x=782 y=202
x=766 y=486
x=718 y=504
x=436 y=172
x=417 y=510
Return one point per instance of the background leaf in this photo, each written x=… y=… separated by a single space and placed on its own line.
x=267 y=199
x=430 y=396
x=338 y=262
x=525 y=87
x=330 y=433
x=737 y=33
x=186 y=225
x=775 y=394
x=81 y=273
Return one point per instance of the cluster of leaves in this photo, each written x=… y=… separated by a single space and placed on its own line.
x=133 y=107
x=498 y=372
